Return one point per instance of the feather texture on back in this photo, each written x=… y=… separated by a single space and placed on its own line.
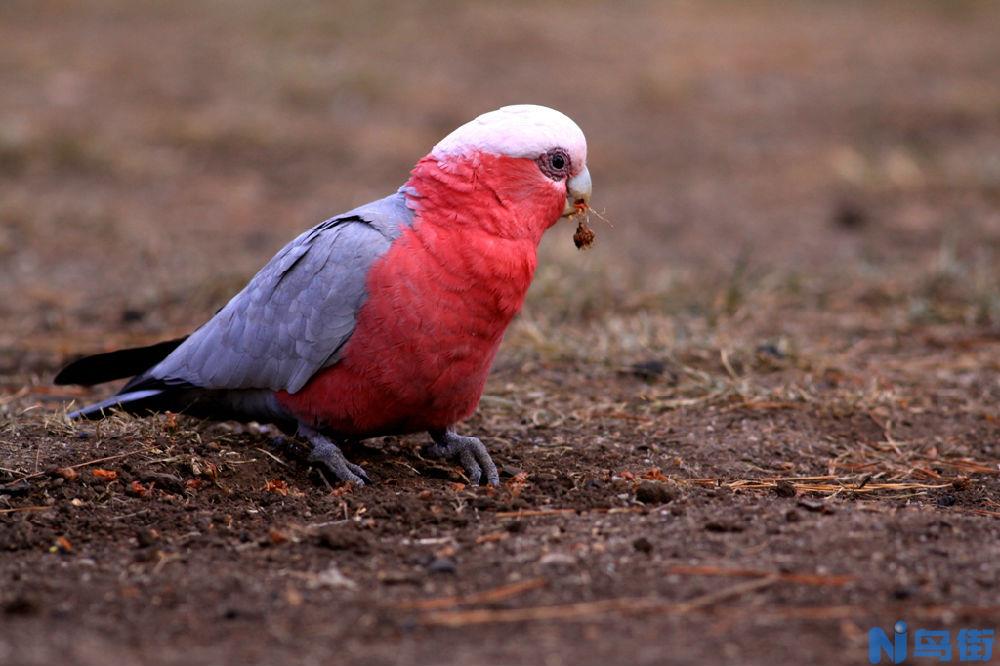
x=296 y=314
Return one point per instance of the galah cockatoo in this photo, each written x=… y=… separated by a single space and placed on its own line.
x=384 y=320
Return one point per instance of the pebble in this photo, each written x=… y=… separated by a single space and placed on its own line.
x=650 y=492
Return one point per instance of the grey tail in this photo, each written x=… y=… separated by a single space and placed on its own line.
x=131 y=401
x=101 y=368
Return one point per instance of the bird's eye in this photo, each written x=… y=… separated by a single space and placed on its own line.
x=555 y=164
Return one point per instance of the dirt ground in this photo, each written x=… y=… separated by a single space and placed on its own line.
x=758 y=418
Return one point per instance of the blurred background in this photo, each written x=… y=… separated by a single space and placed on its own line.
x=153 y=155
x=780 y=355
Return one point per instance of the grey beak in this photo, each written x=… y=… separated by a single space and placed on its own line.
x=578 y=190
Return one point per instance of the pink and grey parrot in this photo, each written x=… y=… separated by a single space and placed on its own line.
x=384 y=320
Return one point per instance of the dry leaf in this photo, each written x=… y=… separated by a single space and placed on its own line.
x=276 y=486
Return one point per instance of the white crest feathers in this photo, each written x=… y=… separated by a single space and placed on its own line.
x=523 y=130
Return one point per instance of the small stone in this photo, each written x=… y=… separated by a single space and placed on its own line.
x=946 y=500
x=650 y=369
x=331 y=577
x=147 y=537
x=771 y=349
x=784 y=489
x=815 y=507
x=643 y=545
x=169 y=482
x=557 y=559
x=442 y=565
x=510 y=471
x=650 y=492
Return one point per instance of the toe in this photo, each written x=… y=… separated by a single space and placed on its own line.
x=485 y=463
x=471 y=466
x=350 y=477
x=492 y=475
x=345 y=471
x=359 y=472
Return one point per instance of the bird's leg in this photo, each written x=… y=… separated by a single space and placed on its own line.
x=326 y=452
x=469 y=451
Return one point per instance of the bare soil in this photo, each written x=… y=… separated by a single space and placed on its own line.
x=758 y=417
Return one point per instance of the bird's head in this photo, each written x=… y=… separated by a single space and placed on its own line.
x=521 y=168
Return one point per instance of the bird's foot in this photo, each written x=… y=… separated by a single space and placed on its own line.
x=469 y=451
x=326 y=452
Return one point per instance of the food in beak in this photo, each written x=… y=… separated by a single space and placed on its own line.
x=584 y=236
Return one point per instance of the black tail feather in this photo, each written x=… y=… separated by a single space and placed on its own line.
x=101 y=368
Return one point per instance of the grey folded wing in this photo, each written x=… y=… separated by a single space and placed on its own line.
x=295 y=316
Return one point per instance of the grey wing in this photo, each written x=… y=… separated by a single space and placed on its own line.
x=295 y=316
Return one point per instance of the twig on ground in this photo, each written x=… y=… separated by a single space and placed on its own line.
x=272 y=456
x=799 y=578
x=591 y=609
x=535 y=513
x=983 y=512
x=14 y=396
x=26 y=508
x=812 y=484
x=84 y=464
x=740 y=589
x=485 y=597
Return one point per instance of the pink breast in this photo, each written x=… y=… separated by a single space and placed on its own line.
x=438 y=304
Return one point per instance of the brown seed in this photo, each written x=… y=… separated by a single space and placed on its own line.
x=67 y=473
x=584 y=236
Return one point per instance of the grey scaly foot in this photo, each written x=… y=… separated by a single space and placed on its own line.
x=469 y=451
x=326 y=452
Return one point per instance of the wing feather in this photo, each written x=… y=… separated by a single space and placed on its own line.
x=294 y=317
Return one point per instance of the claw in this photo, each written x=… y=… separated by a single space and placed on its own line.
x=359 y=472
x=326 y=452
x=470 y=452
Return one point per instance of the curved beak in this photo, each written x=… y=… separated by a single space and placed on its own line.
x=577 y=193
